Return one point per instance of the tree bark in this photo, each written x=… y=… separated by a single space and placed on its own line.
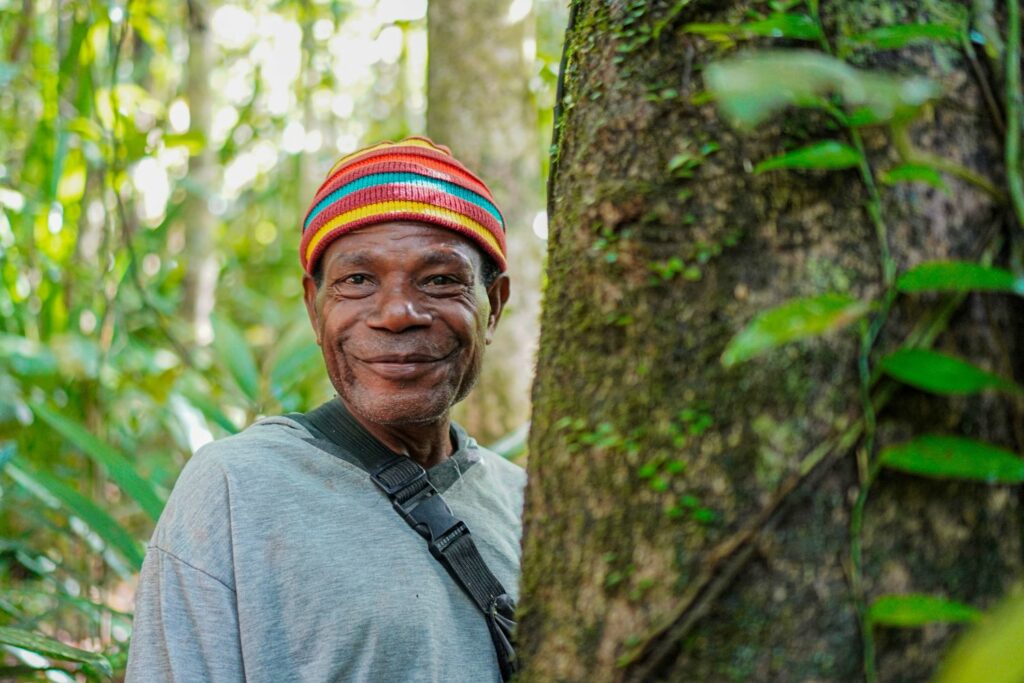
x=200 y=223
x=479 y=105
x=674 y=529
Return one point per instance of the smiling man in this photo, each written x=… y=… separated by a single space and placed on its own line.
x=370 y=539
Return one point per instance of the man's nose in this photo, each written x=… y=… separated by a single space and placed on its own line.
x=398 y=309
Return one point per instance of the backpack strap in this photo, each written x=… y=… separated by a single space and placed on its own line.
x=418 y=502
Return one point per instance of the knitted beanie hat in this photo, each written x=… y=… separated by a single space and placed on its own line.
x=410 y=180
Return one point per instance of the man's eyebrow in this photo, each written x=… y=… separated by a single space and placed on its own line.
x=443 y=258
x=353 y=258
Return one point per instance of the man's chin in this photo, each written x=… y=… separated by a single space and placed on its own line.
x=399 y=408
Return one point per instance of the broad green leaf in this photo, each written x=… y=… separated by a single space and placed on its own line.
x=828 y=154
x=26 y=357
x=954 y=457
x=209 y=409
x=918 y=610
x=236 y=355
x=991 y=650
x=914 y=173
x=294 y=365
x=751 y=87
x=117 y=465
x=795 y=319
x=48 y=647
x=895 y=37
x=7 y=73
x=942 y=374
x=778 y=25
x=958 y=276
x=48 y=488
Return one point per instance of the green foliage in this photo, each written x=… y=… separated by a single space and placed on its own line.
x=918 y=610
x=954 y=457
x=792 y=320
x=914 y=173
x=990 y=651
x=777 y=25
x=49 y=647
x=958 y=276
x=752 y=87
x=825 y=155
x=901 y=35
x=942 y=374
x=117 y=465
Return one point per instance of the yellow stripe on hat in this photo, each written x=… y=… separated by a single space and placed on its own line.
x=408 y=142
x=381 y=209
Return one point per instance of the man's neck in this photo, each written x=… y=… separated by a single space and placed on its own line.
x=428 y=444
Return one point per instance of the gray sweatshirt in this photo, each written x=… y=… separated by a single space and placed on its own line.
x=275 y=561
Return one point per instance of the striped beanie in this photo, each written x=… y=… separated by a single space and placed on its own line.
x=410 y=180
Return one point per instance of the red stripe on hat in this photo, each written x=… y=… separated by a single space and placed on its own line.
x=417 y=193
x=345 y=228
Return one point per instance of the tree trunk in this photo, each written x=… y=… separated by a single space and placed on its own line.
x=688 y=521
x=200 y=223
x=479 y=105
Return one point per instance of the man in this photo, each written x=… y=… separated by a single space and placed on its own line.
x=277 y=561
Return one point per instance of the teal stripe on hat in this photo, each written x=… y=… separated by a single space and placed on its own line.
x=411 y=178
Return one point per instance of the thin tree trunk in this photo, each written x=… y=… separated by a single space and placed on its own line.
x=479 y=104
x=200 y=223
x=675 y=526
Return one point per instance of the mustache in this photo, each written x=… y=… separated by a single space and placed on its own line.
x=396 y=350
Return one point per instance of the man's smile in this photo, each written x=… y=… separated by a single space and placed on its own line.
x=403 y=366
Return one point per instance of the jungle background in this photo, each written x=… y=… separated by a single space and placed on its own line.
x=155 y=159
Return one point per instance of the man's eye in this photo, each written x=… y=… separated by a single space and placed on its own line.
x=440 y=280
x=357 y=279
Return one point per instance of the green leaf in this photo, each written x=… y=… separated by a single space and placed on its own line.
x=49 y=489
x=751 y=87
x=794 y=319
x=828 y=154
x=513 y=444
x=193 y=141
x=899 y=35
x=48 y=647
x=990 y=651
x=918 y=610
x=958 y=276
x=914 y=173
x=210 y=410
x=942 y=374
x=26 y=357
x=778 y=25
x=954 y=457
x=116 y=464
x=296 y=364
x=235 y=353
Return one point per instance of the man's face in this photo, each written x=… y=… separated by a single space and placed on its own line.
x=402 y=317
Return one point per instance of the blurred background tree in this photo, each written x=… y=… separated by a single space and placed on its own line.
x=155 y=161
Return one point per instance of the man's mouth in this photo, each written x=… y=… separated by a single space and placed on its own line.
x=403 y=366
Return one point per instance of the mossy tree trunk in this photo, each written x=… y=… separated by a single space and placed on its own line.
x=479 y=104
x=674 y=526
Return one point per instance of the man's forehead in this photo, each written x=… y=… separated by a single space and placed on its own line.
x=381 y=240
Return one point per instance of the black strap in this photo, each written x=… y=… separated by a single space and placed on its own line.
x=418 y=502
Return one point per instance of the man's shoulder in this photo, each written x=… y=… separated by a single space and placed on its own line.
x=264 y=439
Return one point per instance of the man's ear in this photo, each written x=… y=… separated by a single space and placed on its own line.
x=309 y=294
x=497 y=294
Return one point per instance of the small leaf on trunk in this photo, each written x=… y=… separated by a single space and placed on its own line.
x=826 y=155
x=918 y=610
x=795 y=319
x=958 y=276
x=942 y=374
x=954 y=457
